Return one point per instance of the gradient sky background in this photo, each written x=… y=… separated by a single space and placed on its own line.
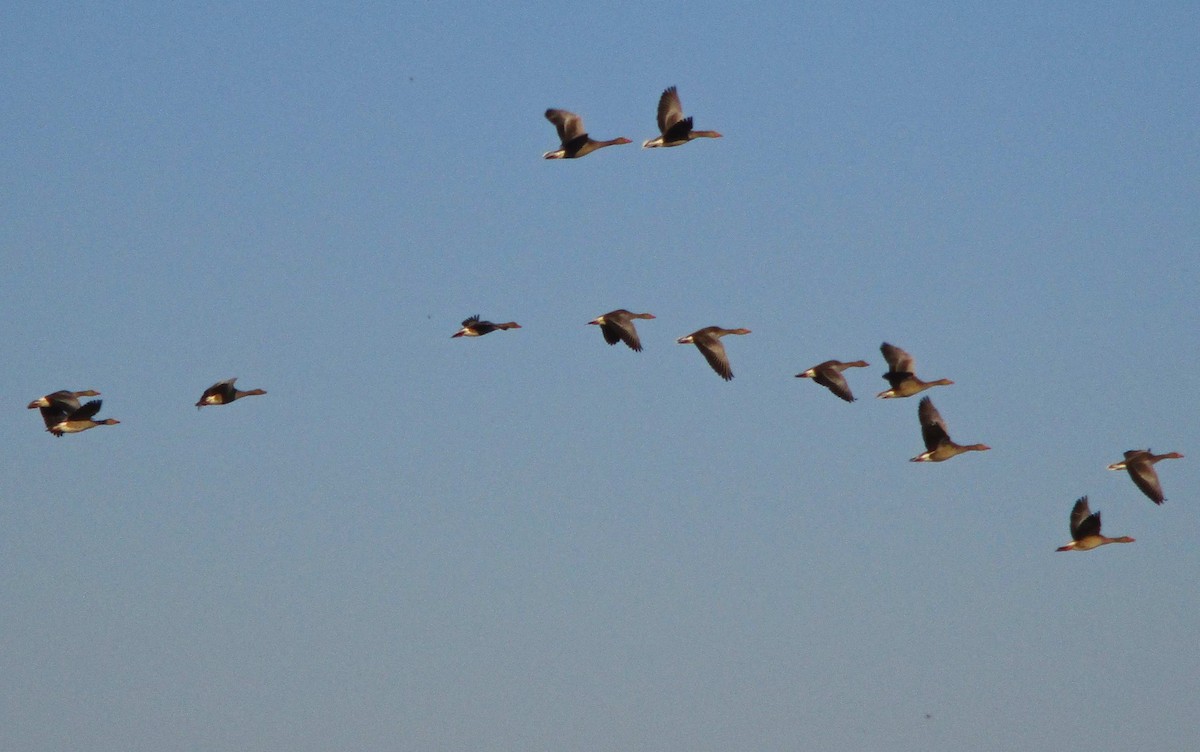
x=533 y=541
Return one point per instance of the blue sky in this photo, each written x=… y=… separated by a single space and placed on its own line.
x=533 y=541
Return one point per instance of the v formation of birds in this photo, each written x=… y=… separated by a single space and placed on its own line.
x=63 y=413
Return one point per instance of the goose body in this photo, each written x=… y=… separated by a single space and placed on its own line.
x=938 y=445
x=1085 y=530
x=575 y=140
x=901 y=374
x=474 y=327
x=829 y=375
x=1140 y=465
x=223 y=392
x=56 y=406
x=708 y=342
x=617 y=326
x=81 y=419
x=674 y=128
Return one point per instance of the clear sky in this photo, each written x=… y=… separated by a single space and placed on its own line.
x=533 y=541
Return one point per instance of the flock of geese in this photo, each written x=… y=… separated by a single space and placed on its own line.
x=62 y=412
x=618 y=326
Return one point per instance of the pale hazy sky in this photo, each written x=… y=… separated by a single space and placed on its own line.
x=533 y=541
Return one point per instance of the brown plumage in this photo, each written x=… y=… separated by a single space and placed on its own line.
x=575 y=140
x=708 y=342
x=81 y=419
x=473 y=327
x=674 y=128
x=938 y=446
x=617 y=326
x=829 y=375
x=1085 y=530
x=901 y=374
x=223 y=392
x=1140 y=465
x=56 y=406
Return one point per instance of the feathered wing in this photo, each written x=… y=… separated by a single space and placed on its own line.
x=54 y=414
x=900 y=364
x=568 y=124
x=670 y=111
x=1083 y=522
x=714 y=353
x=86 y=412
x=611 y=332
x=832 y=379
x=624 y=331
x=62 y=404
x=933 y=428
x=1145 y=477
x=679 y=131
x=223 y=388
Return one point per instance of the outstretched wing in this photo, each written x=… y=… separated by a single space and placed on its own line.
x=61 y=404
x=679 y=131
x=86 y=411
x=611 y=332
x=933 y=428
x=1083 y=522
x=568 y=124
x=897 y=360
x=714 y=353
x=670 y=111
x=622 y=329
x=1145 y=477
x=224 y=388
x=833 y=380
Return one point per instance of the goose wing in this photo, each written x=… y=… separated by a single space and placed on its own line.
x=714 y=352
x=224 y=388
x=60 y=404
x=568 y=124
x=620 y=328
x=611 y=332
x=1144 y=476
x=670 y=111
x=1083 y=522
x=899 y=362
x=54 y=414
x=832 y=379
x=679 y=131
x=933 y=428
x=85 y=412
